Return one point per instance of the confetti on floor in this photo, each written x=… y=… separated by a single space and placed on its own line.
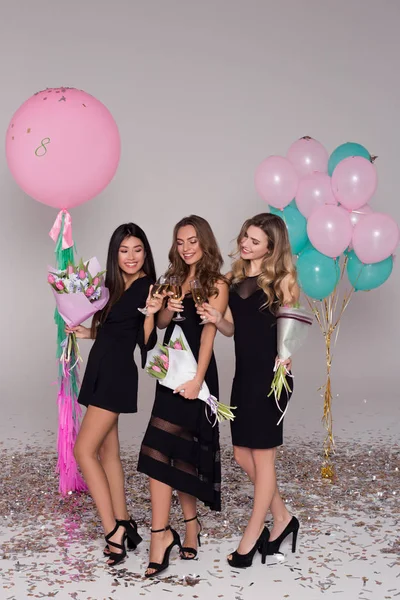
x=349 y=541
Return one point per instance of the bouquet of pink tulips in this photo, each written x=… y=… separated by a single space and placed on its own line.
x=79 y=292
x=173 y=363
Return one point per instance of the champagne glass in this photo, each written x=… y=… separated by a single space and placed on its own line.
x=175 y=287
x=159 y=287
x=199 y=296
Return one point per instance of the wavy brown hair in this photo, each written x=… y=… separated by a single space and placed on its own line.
x=208 y=268
x=277 y=264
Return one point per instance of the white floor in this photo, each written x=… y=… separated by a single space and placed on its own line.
x=349 y=542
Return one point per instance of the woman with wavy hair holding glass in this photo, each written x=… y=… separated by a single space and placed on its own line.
x=180 y=449
x=263 y=278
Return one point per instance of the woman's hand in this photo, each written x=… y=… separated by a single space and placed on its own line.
x=189 y=390
x=286 y=363
x=154 y=303
x=206 y=311
x=81 y=332
x=174 y=305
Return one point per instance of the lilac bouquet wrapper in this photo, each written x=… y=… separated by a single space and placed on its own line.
x=77 y=308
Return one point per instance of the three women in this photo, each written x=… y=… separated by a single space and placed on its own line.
x=180 y=449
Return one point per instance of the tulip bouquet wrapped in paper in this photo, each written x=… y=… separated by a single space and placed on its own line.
x=174 y=364
x=292 y=330
x=79 y=292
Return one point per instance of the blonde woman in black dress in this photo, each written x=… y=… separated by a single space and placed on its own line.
x=180 y=449
x=263 y=278
x=110 y=384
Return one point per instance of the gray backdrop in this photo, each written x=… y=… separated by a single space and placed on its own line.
x=202 y=92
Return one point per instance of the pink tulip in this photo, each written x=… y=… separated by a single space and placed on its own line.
x=178 y=346
x=164 y=358
x=89 y=291
x=96 y=281
x=60 y=285
x=50 y=278
x=156 y=369
x=82 y=274
x=70 y=270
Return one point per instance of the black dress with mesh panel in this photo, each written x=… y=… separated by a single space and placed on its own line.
x=181 y=447
x=255 y=425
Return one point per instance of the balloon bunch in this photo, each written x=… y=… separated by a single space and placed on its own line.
x=332 y=230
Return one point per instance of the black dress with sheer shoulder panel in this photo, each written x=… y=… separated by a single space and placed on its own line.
x=111 y=376
x=181 y=447
x=255 y=425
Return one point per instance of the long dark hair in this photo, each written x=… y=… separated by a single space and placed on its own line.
x=114 y=280
x=208 y=269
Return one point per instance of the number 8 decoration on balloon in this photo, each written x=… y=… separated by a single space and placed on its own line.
x=63 y=148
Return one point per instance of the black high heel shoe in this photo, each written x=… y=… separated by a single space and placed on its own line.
x=242 y=561
x=292 y=527
x=132 y=535
x=159 y=567
x=187 y=550
x=116 y=557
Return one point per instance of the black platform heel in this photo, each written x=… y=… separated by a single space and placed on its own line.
x=292 y=527
x=243 y=561
x=116 y=557
x=133 y=537
x=187 y=549
x=159 y=567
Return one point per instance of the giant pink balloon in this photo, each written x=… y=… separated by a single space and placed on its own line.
x=276 y=181
x=329 y=229
x=307 y=155
x=375 y=238
x=314 y=191
x=63 y=147
x=354 y=182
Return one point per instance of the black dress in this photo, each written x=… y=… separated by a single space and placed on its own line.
x=255 y=424
x=180 y=447
x=111 y=376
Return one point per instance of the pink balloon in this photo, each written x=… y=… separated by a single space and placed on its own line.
x=307 y=155
x=357 y=215
x=314 y=190
x=63 y=147
x=276 y=181
x=354 y=182
x=329 y=229
x=375 y=237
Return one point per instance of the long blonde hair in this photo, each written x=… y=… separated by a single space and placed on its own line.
x=277 y=264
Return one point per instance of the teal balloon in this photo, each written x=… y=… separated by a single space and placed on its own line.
x=296 y=225
x=318 y=275
x=368 y=277
x=345 y=151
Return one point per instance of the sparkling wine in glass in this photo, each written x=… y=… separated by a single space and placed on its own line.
x=175 y=287
x=159 y=287
x=199 y=296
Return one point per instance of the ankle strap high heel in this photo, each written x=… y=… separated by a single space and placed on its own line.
x=158 y=567
x=187 y=550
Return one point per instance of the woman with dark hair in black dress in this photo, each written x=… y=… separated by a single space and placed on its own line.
x=180 y=449
x=110 y=382
x=263 y=278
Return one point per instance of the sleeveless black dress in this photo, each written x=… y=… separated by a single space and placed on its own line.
x=111 y=376
x=255 y=425
x=181 y=447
